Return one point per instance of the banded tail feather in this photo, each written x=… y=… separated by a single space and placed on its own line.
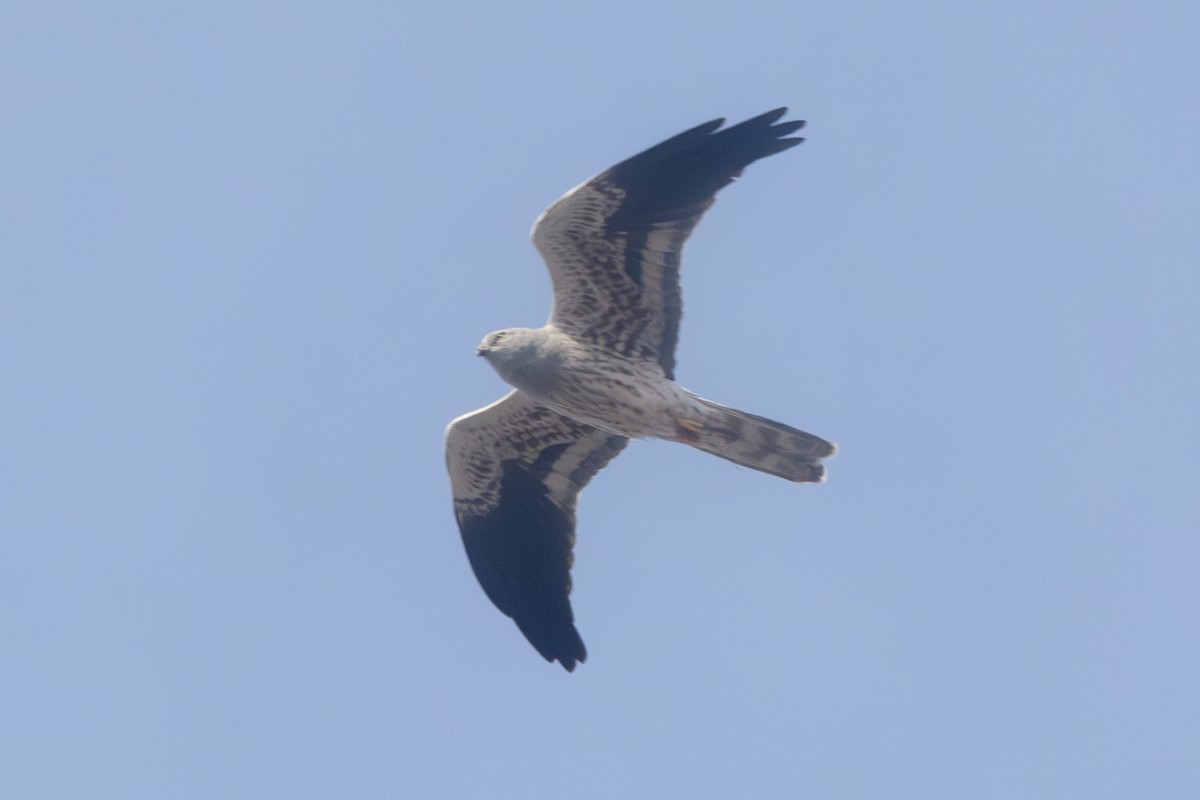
x=757 y=442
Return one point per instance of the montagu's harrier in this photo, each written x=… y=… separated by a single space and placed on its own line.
x=601 y=372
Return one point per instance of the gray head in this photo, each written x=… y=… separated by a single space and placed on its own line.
x=527 y=358
x=511 y=343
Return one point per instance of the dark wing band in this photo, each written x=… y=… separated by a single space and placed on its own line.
x=613 y=244
x=516 y=469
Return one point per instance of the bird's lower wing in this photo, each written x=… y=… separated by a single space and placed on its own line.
x=516 y=469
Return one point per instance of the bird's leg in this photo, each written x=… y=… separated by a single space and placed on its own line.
x=687 y=430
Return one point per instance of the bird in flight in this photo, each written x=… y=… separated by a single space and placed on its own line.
x=601 y=372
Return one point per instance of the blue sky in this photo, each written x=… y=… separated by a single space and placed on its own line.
x=248 y=250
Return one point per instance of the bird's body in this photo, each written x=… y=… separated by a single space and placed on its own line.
x=601 y=372
x=624 y=396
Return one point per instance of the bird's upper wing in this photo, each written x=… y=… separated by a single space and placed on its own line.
x=613 y=244
x=516 y=469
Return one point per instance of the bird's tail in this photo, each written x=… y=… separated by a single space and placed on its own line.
x=757 y=442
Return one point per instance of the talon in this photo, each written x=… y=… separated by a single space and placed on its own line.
x=687 y=430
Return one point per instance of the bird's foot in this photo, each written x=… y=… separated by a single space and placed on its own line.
x=687 y=431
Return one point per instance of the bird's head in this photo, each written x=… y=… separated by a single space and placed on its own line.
x=502 y=345
x=527 y=358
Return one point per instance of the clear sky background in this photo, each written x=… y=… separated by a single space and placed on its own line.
x=246 y=253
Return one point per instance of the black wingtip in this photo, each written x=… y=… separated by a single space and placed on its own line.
x=676 y=179
x=771 y=120
x=771 y=116
x=784 y=128
x=768 y=125
x=568 y=663
x=560 y=643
